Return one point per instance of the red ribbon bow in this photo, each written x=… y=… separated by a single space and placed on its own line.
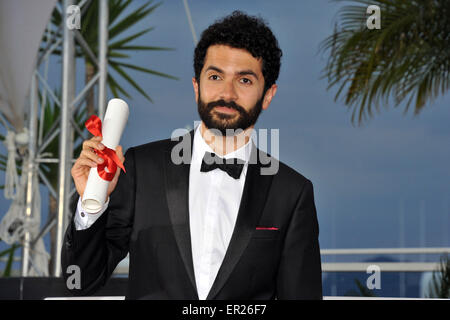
x=110 y=159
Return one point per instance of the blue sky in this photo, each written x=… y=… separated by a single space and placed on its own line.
x=363 y=176
x=384 y=184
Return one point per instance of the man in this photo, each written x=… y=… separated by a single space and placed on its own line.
x=206 y=228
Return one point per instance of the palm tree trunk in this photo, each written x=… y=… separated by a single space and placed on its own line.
x=89 y=74
x=52 y=209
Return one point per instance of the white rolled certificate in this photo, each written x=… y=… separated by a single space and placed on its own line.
x=113 y=124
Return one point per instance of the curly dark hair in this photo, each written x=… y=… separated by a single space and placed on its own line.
x=241 y=31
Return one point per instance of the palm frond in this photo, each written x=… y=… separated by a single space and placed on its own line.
x=120 y=43
x=121 y=20
x=133 y=83
x=133 y=18
x=116 y=88
x=116 y=7
x=407 y=61
x=440 y=282
x=153 y=48
x=10 y=252
x=146 y=70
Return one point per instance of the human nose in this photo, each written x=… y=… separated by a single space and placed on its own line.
x=228 y=91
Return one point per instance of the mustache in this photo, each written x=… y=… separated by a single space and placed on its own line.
x=223 y=103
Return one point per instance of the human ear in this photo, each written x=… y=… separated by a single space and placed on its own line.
x=270 y=93
x=195 y=85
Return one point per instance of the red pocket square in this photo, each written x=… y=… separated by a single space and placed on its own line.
x=266 y=228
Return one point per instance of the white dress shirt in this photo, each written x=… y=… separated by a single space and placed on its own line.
x=214 y=200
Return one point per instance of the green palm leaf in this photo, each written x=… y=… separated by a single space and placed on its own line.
x=116 y=8
x=119 y=44
x=134 y=67
x=119 y=70
x=406 y=62
x=116 y=88
x=131 y=19
x=145 y=48
x=10 y=252
x=120 y=22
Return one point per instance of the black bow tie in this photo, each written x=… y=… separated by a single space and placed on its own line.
x=232 y=166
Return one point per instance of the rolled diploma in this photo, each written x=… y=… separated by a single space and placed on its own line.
x=116 y=117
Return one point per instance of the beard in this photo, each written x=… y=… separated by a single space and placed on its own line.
x=221 y=121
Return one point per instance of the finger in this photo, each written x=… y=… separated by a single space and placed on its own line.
x=83 y=162
x=87 y=162
x=88 y=144
x=93 y=143
x=91 y=155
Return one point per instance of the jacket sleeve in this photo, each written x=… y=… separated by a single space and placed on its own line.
x=96 y=251
x=300 y=274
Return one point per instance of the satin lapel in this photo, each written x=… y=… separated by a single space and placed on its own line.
x=252 y=203
x=177 y=193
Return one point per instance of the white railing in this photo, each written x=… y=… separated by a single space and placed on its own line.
x=122 y=268
x=384 y=266
x=385 y=251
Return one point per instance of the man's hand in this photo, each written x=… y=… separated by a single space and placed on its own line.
x=87 y=160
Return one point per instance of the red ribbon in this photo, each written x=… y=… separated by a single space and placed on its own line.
x=110 y=159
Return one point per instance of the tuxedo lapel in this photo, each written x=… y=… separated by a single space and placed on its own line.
x=252 y=203
x=177 y=193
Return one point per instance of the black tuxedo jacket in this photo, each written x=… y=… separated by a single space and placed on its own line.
x=148 y=217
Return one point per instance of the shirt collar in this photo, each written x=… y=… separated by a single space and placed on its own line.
x=200 y=147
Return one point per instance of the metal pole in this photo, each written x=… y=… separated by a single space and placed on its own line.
x=191 y=24
x=30 y=173
x=103 y=22
x=65 y=138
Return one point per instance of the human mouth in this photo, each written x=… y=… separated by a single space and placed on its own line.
x=226 y=110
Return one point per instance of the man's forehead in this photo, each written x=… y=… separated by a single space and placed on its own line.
x=224 y=56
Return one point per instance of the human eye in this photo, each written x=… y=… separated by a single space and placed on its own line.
x=245 y=81
x=214 y=77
